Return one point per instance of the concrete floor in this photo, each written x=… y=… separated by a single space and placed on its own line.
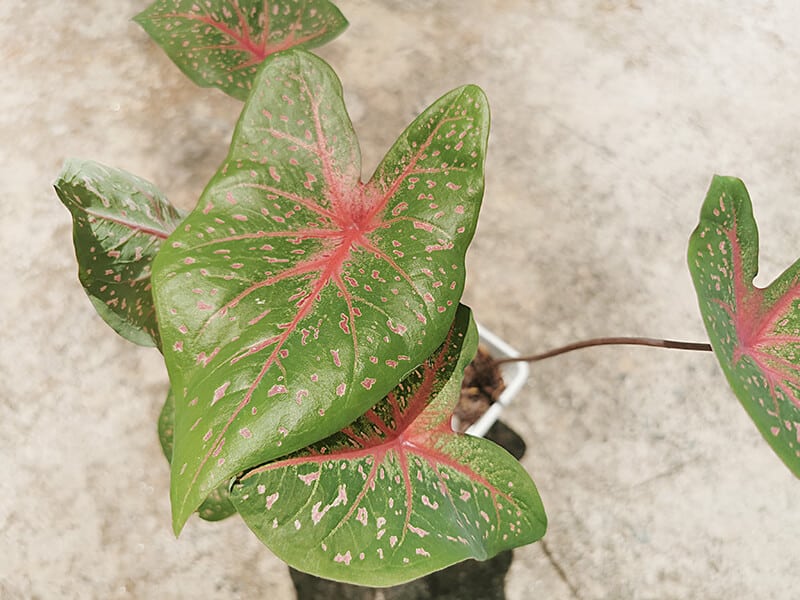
x=609 y=118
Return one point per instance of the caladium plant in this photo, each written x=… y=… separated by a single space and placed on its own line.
x=755 y=332
x=296 y=305
x=310 y=322
x=221 y=43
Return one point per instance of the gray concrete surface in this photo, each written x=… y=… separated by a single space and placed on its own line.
x=609 y=118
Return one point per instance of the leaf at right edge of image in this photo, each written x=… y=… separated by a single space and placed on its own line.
x=397 y=494
x=755 y=332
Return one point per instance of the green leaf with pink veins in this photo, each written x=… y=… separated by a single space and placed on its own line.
x=119 y=223
x=221 y=43
x=396 y=494
x=755 y=332
x=295 y=296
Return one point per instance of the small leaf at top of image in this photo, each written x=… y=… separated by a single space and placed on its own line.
x=221 y=43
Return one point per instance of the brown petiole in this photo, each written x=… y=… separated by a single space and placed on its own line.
x=610 y=341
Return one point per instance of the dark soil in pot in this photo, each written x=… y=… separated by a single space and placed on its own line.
x=481 y=387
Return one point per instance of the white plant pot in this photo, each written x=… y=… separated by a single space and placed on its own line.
x=514 y=375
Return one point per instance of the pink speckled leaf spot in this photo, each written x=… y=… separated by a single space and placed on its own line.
x=295 y=296
x=221 y=43
x=755 y=332
x=396 y=494
x=119 y=223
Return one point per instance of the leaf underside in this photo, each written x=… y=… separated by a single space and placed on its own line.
x=221 y=43
x=397 y=494
x=119 y=223
x=295 y=296
x=217 y=505
x=755 y=332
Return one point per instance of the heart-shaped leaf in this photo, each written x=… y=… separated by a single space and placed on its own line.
x=217 y=505
x=119 y=222
x=221 y=43
x=295 y=296
x=755 y=332
x=397 y=494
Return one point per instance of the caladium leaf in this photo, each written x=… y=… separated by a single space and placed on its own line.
x=217 y=505
x=755 y=332
x=397 y=494
x=119 y=223
x=295 y=296
x=221 y=43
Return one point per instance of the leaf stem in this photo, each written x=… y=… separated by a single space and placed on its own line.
x=610 y=341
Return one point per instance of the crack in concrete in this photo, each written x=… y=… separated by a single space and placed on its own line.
x=669 y=472
x=560 y=570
